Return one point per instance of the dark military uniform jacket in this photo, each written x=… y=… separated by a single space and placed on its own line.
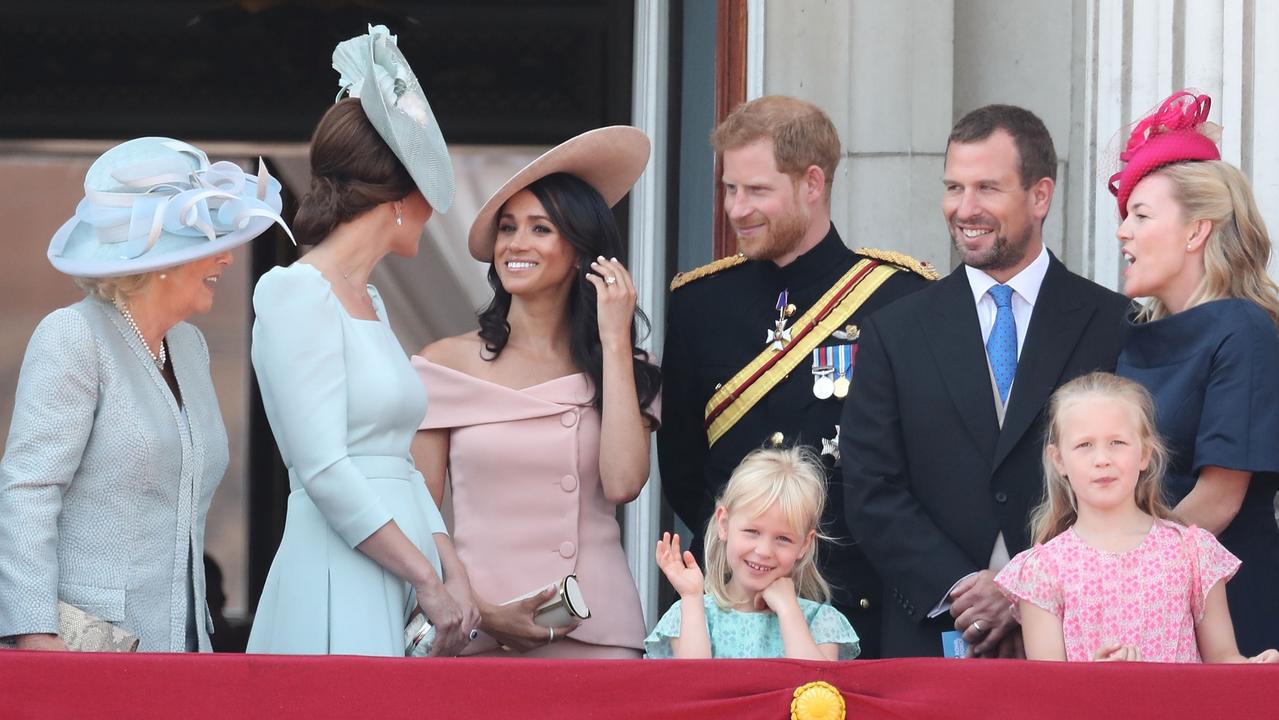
x=717 y=324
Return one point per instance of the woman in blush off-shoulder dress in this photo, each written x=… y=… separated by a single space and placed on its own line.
x=363 y=543
x=542 y=418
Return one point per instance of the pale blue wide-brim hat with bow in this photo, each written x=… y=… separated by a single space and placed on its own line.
x=372 y=68
x=154 y=203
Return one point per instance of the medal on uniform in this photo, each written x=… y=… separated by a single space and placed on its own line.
x=831 y=447
x=823 y=370
x=780 y=334
x=849 y=333
x=843 y=370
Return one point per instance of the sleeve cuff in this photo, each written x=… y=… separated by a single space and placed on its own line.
x=943 y=605
x=356 y=528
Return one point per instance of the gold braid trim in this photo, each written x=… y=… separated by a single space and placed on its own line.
x=684 y=278
x=920 y=267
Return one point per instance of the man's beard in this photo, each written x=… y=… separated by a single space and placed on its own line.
x=1001 y=255
x=782 y=236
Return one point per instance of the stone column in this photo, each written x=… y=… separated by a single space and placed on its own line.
x=883 y=72
x=1136 y=52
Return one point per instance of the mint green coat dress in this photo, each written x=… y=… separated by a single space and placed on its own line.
x=344 y=404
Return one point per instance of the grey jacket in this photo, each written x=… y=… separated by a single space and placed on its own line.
x=104 y=485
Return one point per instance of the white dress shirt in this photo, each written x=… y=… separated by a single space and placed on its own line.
x=1025 y=285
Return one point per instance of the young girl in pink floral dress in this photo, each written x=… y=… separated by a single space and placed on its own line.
x=1112 y=576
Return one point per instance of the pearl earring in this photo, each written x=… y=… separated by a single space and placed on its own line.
x=399 y=217
x=1187 y=247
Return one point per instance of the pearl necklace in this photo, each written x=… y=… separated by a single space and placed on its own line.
x=128 y=316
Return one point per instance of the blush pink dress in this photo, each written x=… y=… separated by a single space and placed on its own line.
x=528 y=506
x=1151 y=596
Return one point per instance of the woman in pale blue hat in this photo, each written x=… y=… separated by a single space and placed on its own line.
x=117 y=442
x=364 y=545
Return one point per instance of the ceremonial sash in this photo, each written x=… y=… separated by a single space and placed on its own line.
x=746 y=388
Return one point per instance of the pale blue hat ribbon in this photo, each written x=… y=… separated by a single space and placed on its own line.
x=165 y=195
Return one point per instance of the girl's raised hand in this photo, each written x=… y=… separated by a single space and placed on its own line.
x=680 y=568
x=1266 y=656
x=614 y=300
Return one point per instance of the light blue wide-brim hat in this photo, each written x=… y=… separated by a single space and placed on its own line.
x=156 y=202
x=609 y=159
x=372 y=68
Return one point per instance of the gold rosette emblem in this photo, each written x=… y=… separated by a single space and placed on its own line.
x=817 y=701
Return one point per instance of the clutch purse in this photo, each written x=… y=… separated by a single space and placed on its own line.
x=85 y=632
x=567 y=605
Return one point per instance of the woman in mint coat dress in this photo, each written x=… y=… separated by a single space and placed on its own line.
x=364 y=544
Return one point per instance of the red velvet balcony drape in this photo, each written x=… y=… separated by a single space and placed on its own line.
x=68 y=685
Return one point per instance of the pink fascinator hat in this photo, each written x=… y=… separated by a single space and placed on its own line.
x=1169 y=135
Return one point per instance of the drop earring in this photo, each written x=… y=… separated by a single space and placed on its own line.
x=399 y=216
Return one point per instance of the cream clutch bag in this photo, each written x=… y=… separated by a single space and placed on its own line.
x=84 y=632
x=567 y=605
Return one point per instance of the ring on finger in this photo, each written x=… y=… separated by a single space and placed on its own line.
x=977 y=625
x=474 y=633
x=551 y=639
x=610 y=280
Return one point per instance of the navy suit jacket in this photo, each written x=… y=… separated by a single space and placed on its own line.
x=931 y=479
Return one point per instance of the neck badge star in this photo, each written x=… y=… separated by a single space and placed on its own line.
x=780 y=334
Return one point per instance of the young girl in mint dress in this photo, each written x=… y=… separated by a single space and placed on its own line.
x=763 y=595
x=1112 y=576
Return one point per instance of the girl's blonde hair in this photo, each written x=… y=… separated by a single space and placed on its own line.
x=1237 y=250
x=1059 y=511
x=791 y=478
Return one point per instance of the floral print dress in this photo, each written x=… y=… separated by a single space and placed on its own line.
x=1151 y=597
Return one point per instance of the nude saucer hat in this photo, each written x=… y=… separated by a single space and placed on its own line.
x=156 y=202
x=609 y=159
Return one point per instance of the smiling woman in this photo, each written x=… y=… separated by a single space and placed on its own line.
x=117 y=442
x=552 y=378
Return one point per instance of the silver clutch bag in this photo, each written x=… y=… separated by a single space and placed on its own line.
x=84 y=632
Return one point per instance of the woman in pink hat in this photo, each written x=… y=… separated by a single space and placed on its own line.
x=1206 y=343
x=542 y=417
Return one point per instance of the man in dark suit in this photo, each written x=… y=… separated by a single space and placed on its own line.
x=943 y=428
x=743 y=367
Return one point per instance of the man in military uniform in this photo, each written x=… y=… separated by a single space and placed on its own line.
x=761 y=347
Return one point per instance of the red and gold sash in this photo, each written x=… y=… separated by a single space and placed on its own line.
x=737 y=396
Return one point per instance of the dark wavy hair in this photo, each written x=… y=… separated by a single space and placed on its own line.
x=352 y=171
x=583 y=219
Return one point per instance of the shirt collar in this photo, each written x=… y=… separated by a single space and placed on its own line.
x=1025 y=283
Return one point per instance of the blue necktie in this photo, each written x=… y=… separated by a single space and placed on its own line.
x=1001 y=347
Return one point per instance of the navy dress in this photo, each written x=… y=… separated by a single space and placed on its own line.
x=1214 y=373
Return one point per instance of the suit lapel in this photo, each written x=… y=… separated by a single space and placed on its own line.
x=1057 y=322
x=954 y=338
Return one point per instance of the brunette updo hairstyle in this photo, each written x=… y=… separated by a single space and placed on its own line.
x=352 y=171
